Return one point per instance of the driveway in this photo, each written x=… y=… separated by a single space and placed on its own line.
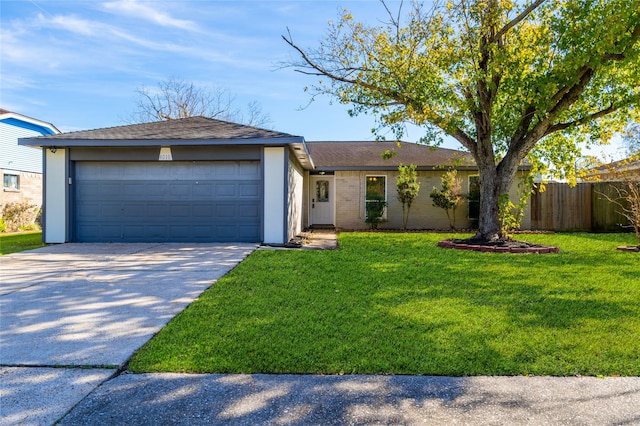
x=89 y=307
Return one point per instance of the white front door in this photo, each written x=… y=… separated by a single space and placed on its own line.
x=322 y=195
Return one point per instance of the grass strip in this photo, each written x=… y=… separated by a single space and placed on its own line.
x=13 y=243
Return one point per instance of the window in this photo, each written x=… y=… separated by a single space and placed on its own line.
x=376 y=192
x=11 y=182
x=474 y=197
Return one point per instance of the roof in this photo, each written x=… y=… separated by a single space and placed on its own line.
x=614 y=170
x=368 y=156
x=25 y=122
x=184 y=129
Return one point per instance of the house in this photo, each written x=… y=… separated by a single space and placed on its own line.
x=203 y=180
x=21 y=166
x=628 y=168
x=349 y=169
x=194 y=179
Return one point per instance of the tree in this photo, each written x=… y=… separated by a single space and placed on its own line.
x=630 y=192
x=508 y=79
x=625 y=191
x=176 y=98
x=450 y=196
x=408 y=188
x=631 y=139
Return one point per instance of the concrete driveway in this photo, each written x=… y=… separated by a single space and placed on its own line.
x=89 y=307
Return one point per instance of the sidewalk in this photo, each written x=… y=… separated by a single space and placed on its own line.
x=214 y=399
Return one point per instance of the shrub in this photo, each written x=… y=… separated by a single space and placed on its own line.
x=450 y=196
x=375 y=209
x=408 y=188
x=17 y=216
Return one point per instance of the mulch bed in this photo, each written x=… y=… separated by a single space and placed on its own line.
x=503 y=246
x=630 y=248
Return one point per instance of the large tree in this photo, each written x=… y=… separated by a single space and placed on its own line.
x=508 y=79
x=176 y=98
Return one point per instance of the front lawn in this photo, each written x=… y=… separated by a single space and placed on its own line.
x=397 y=304
x=12 y=243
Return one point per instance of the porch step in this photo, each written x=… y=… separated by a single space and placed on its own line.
x=323 y=227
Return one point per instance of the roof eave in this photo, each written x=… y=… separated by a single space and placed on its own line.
x=31 y=123
x=395 y=168
x=61 y=143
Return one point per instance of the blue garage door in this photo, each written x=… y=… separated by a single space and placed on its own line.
x=189 y=201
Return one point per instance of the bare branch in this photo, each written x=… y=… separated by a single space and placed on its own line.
x=175 y=98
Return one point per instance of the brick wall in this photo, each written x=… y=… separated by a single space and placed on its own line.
x=30 y=189
x=350 y=193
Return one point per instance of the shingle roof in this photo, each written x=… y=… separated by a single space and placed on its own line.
x=367 y=156
x=192 y=128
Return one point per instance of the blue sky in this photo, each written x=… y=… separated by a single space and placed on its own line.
x=77 y=64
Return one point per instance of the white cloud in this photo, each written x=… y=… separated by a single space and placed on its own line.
x=70 y=23
x=149 y=13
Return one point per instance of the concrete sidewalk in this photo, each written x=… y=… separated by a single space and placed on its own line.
x=182 y=399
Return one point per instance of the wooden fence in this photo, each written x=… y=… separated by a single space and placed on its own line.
x=583 y=208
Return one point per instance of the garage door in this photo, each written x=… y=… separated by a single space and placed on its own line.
x=190 y=201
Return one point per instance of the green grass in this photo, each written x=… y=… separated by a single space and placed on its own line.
x=12 y=243
x=397 y=304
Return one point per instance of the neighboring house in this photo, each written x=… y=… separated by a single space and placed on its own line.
x=199 y=179
x=618 y=170
x=21 y=166
x=349 y=168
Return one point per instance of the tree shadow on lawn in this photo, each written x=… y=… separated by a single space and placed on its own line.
x=499 y=322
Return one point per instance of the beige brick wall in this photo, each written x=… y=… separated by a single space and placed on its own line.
x=350 y=190
x=30 y=189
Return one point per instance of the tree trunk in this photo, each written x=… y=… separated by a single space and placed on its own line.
x=494 y=181
x=489 y=220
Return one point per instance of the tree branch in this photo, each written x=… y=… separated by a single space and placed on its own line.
x=580 y=121
x=515 y=21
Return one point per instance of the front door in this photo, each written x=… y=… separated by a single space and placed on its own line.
x=322 y=200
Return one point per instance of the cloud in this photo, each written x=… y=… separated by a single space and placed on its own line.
x=149 y=13
x=70 y=23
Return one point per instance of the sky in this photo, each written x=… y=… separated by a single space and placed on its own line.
x=77 y=64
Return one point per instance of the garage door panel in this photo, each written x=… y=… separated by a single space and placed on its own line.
x=249 y=190
x=226 y=189
x=248 y=210
x=133 y=211
x=92 y=209
x=168 y=201
x=110 y=210
x=247 y=231
x=134 y=189
x=203 y=189
x=110 y=190
x=180 y=212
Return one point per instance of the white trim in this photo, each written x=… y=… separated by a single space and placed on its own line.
x=274 y=195
x=55 y=197
x=29 y=120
